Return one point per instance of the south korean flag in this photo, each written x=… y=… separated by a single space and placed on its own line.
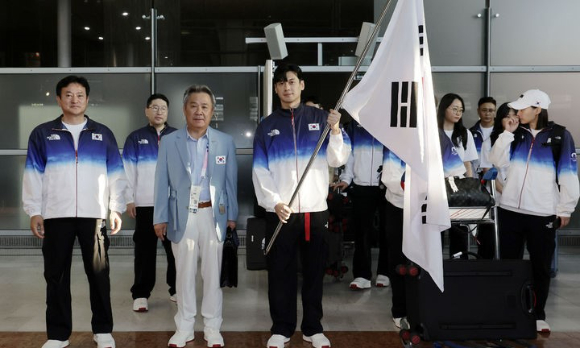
x=313 y=127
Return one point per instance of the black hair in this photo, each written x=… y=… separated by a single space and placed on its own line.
x=542 y=119
x=486 y=100
x=72 y=79
x=281 y=70
x=311 y=98
x=459 y=130
x=502 y=112
x=157 y=96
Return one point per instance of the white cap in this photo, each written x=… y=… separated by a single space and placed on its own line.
x=533 y=97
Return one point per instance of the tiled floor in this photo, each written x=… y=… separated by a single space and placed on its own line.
x=245 y=308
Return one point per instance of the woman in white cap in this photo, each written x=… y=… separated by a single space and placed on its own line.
x=541 y=189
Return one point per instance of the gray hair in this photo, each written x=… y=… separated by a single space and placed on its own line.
x=198 y=89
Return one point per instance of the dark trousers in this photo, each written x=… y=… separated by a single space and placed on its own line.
x=536 y=233
x=486 y=241
x=458 y=240
x=394 y=233
x=146 y=255
x=57 y=247
x=282 y=272
x=366 y=201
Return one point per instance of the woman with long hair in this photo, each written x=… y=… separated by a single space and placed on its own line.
x=449 y=118
x=449 y=121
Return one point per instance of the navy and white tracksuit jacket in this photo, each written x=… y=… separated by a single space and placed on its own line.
x=365 y=159
x=392 y=176
x=140 y=159
x=283 y=144
x=531 y=186
x=60 y=182
x=394 y=169
x=483 y=147
x=452 y=163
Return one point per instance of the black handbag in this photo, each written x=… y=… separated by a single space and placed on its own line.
x=229 y=272
x=467 y=192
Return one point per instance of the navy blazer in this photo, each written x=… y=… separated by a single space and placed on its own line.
x=173 y=182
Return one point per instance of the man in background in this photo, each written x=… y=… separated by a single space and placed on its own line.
x=140 y=158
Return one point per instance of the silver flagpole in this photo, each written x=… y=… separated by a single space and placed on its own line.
x=337 y=107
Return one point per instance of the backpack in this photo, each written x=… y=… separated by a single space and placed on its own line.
x=554 y=140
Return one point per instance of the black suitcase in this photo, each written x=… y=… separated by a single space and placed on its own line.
x=483 y=299
x=255 y=240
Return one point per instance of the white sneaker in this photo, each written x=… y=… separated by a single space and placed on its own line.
x=382 y=281
x=173 y=298
x=318 y=340
x=140 y=305
x=180 y=339
x=542 y=326
x=104 y=340
x=55 y=344
x=401 y=323
x=360 y=283
x=277 y=341
x=213 y=337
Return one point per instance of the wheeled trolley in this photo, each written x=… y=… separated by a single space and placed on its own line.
x=483 y=299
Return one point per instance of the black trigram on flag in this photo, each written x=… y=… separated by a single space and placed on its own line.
x=424 y=212
x=421 y=38
x=404 y=104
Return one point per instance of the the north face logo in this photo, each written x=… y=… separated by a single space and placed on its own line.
x=143 y=142
x=53 y=137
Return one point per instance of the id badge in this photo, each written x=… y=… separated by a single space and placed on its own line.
x=194 y=199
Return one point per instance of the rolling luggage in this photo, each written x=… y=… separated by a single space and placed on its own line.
x=255 y=244
x=483 y=299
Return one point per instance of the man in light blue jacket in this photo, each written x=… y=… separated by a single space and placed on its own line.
x=195 y=201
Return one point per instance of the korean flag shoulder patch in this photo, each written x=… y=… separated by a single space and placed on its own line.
x=220 y=159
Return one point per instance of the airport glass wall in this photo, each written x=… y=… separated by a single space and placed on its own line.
x=502 y=50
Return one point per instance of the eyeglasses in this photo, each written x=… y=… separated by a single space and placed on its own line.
x=457 y=111
x=486 y=111
x=162 y=109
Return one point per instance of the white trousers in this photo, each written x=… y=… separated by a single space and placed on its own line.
x=199 y=241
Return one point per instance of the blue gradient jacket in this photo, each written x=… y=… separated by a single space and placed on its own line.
x=452 y=163
x=140 y=158
x=365 y=159
x=483 y=147
x=283 y=144
x=60 y=182
x=392 y=176
x=394 y=169
x=530 y=187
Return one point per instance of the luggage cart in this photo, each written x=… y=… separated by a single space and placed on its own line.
x=483 y=299
x=480 y=215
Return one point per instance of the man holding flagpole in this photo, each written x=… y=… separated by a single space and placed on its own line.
x=395 y=102
x=283 y=145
